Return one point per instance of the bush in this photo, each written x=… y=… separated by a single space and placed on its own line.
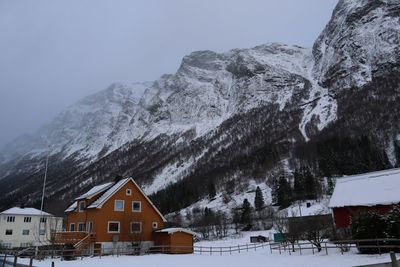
x=373 y=225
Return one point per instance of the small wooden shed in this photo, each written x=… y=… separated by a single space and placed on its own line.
x=175 y=240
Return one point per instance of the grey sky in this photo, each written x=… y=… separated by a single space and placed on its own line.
x=52 y=53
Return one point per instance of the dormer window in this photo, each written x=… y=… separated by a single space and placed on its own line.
x=81 y=206
x=129 y=192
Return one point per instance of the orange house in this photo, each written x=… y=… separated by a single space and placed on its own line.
x=111 y=215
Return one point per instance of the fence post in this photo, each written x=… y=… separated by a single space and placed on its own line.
x=312 y=247
x=239 y=248
x=394 y=260
x=230 y=250
x=247 y=247
x=255 y=247
x=52 y=264
x=379 y=247
x=279 y=246
x=15 y=261
x=30 y=262
x=220 y=251
x=270 y=248
x=210 y=250
x=300 y=248
x=326 y=249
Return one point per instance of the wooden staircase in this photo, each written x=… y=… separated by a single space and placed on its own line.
x=80 y=240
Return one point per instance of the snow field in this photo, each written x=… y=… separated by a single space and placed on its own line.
x=260 y=257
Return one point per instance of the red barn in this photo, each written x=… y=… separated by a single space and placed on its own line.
x=377 y=191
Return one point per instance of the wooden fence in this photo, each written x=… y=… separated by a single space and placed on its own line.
x=380 y=245
x=343 y=245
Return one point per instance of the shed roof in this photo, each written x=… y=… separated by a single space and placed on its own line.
x=175 y=230
x=25 y=211
x=369 y=189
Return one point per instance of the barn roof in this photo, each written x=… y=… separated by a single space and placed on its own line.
x=369 y=189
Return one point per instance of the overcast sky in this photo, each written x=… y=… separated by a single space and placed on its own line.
x=52 y=53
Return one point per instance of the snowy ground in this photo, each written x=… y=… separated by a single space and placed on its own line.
x=261 y=257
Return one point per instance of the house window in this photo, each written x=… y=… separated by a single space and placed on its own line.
x=154 y=225
x=113 y=227
x=81 y=206
x=136 y=206
x=9 y=231
x=129 y=192
x=42 y=231
x=10 y=218
x=43 y=220
x=25 y=232
x=6 y=245
x=89 y=227
x=27 y=219
x=81 y=227
x=72 y=227
x=119 y=205
x=25 y=245
x=136 y=227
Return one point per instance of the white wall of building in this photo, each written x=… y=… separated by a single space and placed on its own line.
x=27 y=232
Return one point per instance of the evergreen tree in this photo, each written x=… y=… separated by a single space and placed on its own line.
x=284 y=193
x=211 y=190
x=259 y=200
x=310 y=184
x=298 y=187
x=246 y=213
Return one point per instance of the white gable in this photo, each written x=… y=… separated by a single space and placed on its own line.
x=369 y=189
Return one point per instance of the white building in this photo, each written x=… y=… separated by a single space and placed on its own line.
x=23 y=227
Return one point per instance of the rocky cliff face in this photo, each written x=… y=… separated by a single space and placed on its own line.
x=224 y=117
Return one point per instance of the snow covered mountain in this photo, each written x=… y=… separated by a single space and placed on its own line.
x=225 y=118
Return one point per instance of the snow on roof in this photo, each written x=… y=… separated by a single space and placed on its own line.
x=72 y=207
x=25 y=211
x=175 y=230
x=112 y=190
x=367 y=189
x=95 y=190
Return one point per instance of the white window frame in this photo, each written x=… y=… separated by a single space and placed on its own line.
x=70 y=227
x=79 y=206
x=113 y=232
x=81 y=224
x=27 y=219
x=140 y=206
x=89 y=227
x=128 y=192
x=154 y=225
x=136 y=232
x=115 y=205
x=10 y=218
x=24 y=231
